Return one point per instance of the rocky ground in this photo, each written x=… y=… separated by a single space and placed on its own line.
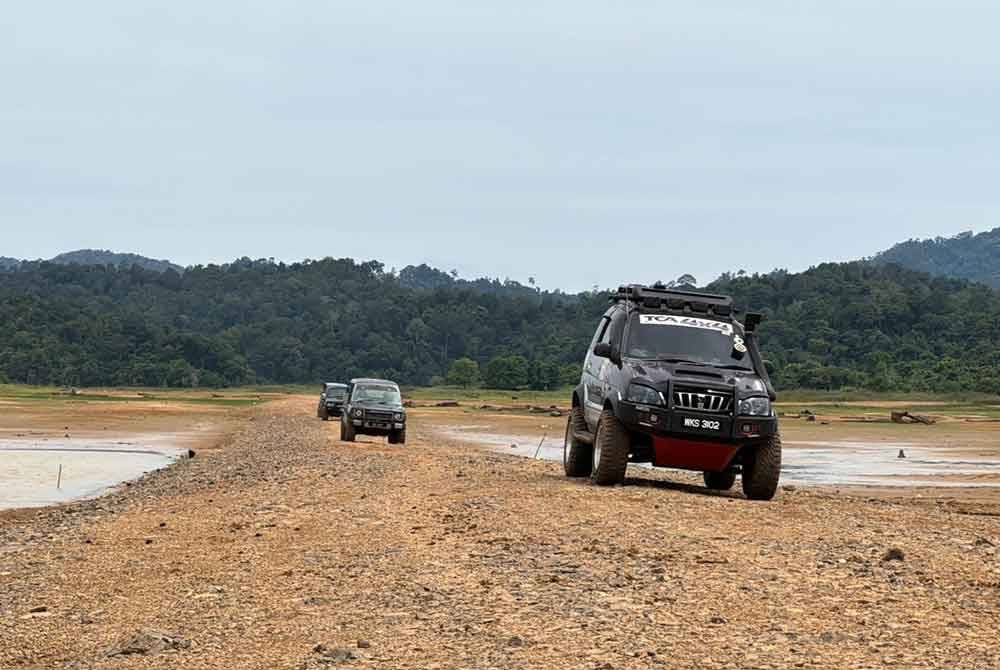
x=284 y=548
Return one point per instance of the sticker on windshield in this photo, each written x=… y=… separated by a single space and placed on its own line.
x=686 y=321
x=739 y=345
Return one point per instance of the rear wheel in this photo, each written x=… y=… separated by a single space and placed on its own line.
x=576 y=455
x=720 y=481
x=762 y=468
x=346 y=431
x=610 y=453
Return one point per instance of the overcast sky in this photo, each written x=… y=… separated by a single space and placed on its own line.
x=577 y=142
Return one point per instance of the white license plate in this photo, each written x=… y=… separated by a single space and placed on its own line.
x=703 y=424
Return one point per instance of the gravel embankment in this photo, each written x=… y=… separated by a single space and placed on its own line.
x=285 y=548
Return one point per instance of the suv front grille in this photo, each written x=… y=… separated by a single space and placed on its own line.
x=378 y=415
x=703 y=400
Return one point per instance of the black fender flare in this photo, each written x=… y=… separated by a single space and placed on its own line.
x=612 y=402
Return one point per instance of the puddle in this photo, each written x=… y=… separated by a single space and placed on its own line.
x=548 y=448
x=840 y=463
x=30 y=469
x=858 y=463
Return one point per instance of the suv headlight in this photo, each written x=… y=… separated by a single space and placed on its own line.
x=358 y=412
x=398 y=416
x=755 y=407
x=750 y=384
x=643 y=395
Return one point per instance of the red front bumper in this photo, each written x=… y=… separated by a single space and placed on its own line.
x=672 y=452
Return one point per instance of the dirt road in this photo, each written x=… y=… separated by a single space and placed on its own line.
x=283 y=548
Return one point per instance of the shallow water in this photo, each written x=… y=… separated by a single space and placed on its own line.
x=30 y=469
x=839 y=463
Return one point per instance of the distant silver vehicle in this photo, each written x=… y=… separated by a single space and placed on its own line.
x=331 y=400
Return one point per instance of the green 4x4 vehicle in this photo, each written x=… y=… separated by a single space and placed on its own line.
x=331 y=400
x=673 y=379
x=373 y=407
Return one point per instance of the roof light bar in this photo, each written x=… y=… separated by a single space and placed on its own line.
x=676 y=300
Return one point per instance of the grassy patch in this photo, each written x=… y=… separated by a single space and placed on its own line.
x=226 y=398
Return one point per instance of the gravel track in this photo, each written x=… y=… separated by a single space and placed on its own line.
x=437 y=555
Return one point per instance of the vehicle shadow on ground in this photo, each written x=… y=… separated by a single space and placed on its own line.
x=664 y=485
x=667 y=485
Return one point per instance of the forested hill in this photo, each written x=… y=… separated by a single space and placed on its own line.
x=878 y=327
x=853 y=324
x=104 y=257
x=965 y=256
x=99 y=257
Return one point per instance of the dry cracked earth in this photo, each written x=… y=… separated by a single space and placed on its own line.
x=281 y=547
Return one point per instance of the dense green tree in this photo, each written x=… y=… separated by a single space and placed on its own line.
x=507 y=372
x=463 y=372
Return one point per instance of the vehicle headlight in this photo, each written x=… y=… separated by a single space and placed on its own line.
x=750 y=384
x=398 y=416
x=358 y=412
x=643 y=395
x=755 y=407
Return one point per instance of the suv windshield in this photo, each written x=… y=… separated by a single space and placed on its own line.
x=336 y=393
x=684 y=339
x=377 y=393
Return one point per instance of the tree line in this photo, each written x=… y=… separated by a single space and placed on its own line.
x=258 y=321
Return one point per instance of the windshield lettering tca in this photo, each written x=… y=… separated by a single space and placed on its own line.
x=698 y=341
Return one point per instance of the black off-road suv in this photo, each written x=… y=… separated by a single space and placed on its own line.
x=331 y=400
x=673 y=379
x=373 y=407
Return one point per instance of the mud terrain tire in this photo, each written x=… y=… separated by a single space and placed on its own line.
x=397 y=437
x=577 y=456
x=761 y=469
x=610 y=454
x=346 y=431
x=720 y=481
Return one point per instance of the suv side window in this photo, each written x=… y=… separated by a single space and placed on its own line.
x=608 y=330
x=601 y=333
x=616 y=329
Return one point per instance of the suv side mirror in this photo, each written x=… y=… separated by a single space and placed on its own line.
x=602 y=350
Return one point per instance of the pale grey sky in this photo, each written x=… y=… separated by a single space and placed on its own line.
x=579 y=142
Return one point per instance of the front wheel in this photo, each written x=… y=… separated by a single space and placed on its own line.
x=610 y=455
x=720 y=481
x=397 y=437
x=576 y=455
x=346 y=431
x=762 y=468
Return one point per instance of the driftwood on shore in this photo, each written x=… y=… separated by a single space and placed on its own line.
x=906 y=417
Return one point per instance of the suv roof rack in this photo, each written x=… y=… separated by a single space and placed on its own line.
x=660 y=297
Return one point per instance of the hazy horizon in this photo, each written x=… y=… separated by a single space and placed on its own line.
x=576 y=143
